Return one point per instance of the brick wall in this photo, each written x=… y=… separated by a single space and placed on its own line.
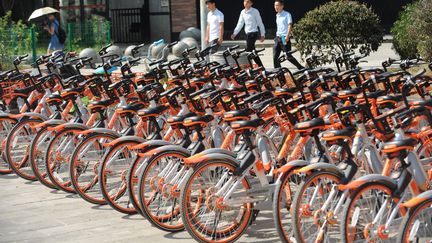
x=183 y=14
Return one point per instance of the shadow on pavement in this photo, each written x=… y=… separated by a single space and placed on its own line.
x=73 y=196
x=177 y=236
x=55 y=191
x=133 y=217
x=102 y=207
x=32 y=183
x=262 y=229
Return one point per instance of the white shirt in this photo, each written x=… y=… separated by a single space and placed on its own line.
x=283 y=20
x=251 y=19
x=214 y=18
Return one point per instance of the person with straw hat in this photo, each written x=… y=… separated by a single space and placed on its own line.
x=52 y=28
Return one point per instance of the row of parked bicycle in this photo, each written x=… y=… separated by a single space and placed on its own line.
x=343 y=156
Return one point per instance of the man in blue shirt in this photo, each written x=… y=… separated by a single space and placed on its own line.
x=251 y=19
x=283 y=35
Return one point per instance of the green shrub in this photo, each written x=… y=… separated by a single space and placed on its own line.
x=412 y=33
x=405 y=46
x=15 y=39
x=337 y=27
x=92 y=33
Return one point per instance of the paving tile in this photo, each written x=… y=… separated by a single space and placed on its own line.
x=31 y=212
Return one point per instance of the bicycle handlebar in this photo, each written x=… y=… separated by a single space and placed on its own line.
x=103 y=50
x=136 y=49
x=172 y=44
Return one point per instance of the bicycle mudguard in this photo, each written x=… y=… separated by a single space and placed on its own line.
x=150 y=144
x=369 y=179
x=321 y=167
x=290 y=166
x=217 y=151
x=72 y=126
x=100 y=131
x=196 y=159
x=167 y=148
x=418 y=200
x=7 y=115
x=217 y=137
x=133 y=139
x=49 y=123
x=29 y=115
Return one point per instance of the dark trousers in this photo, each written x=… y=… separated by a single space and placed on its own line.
x=251 y=39
x=216 y=48
x=13 y=107
x=278 y=48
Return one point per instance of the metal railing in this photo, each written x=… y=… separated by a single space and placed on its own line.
x=34 y=40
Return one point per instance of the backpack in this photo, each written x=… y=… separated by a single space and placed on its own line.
x=61 y=34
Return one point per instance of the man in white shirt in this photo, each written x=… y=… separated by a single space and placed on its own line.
x=283 y=35
x=215 y=25
x=251 y=19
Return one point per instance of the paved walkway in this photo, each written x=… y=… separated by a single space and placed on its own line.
x=30 y=212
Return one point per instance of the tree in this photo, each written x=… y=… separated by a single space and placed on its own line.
x=15 y=40
x=7 y=5
x=412 y=33
x=337 y=27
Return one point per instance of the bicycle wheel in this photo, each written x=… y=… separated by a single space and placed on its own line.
x=417 y=224
x=17 y=148
x=112 y=175
x=84 y=167
x=6 y=125
x=58 y=156
x=38 y=150
x=204 y=214
x=361 y=209
x=135 y=170
x=159 y=190
x=282 y=204
x=307 y=217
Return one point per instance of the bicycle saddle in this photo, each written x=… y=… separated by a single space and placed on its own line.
x=237 y=115
x=199 y=81
x=24 y=92
x=155 y=111
x=392 y=99
x=309 y=126
x=198 y=120
x=129 y=109
x=253 y=124
x=102 y=103
x=399 y=145
x=372 y=95
x=285 y=92
x=69 y=93
x=346 y=133
x=54 y=99
x=349 y=93
x=179 y=119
